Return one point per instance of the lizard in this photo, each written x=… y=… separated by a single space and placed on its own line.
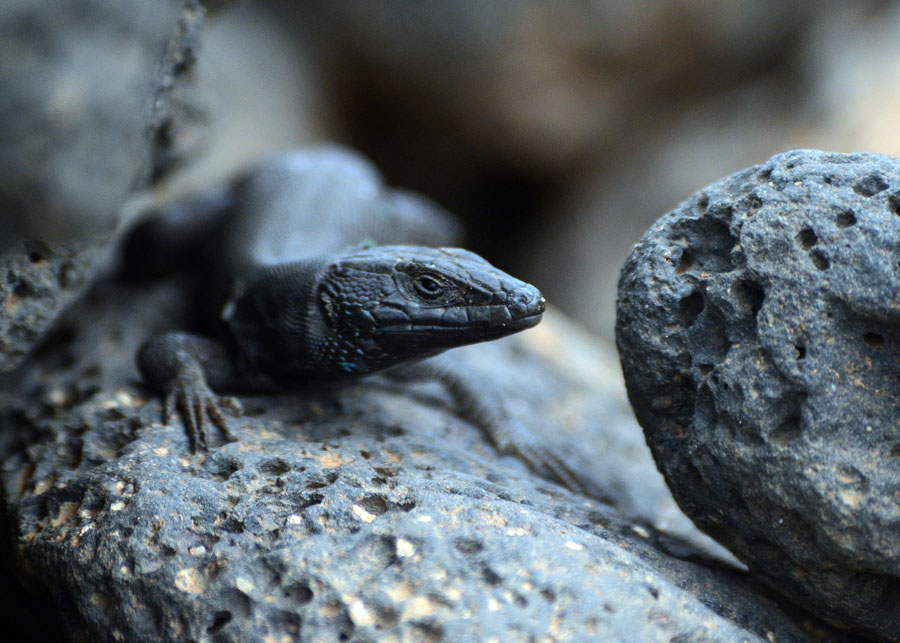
x=297 y=289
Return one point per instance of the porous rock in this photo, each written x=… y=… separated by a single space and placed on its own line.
x=759 y=333
x=95 y=102
x=367 y=512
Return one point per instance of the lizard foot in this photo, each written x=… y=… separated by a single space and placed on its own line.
x=195 y=402
x=485 y=410
x=516 y=440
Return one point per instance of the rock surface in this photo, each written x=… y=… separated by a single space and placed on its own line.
x=759 y=332
x=95 y=102
x=361 y=513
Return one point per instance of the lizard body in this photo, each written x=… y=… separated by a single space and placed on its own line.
x=298 y=292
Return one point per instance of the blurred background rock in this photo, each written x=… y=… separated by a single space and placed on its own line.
x=558 y=130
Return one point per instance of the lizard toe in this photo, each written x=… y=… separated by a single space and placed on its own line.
x=230 y=404
x=522 y=443
x=214 y=410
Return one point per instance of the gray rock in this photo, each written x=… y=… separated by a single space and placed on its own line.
x=758 y=332
x=366 y=512
x=37 y=283
x=95 y=102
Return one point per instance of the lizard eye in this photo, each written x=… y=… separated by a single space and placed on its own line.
x=428 y=286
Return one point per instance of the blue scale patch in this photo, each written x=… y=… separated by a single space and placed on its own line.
x=348 y=366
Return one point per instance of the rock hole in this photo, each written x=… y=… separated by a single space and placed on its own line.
x=806 y=238
x=548 y=595
x=220 y=620
x=750 y=294
x=406 y=506
x=427 y=632
x=35 y=257
x=468 y=546
x=894 y=203
x=709 y=239
x=787 y=431
x=276 y=467
x=895 y=451
x=827 y=180
x=820 y=260
x=365 y=454
x=374 y=505
x=229 y=523
x=300 y=593
x=754 y=205
x=385 y=471
x=653 y=591
x=689 y=308
x=703 y=202
x=799 y=351
x=22 y=290
x=845 y=219
x=491 y=577
x=705 y=369
x=223 y=469
x=870 y=185
x=685 y=262
x=765 y=175
x=875 y=340
x=330 y=478
x=311 y=500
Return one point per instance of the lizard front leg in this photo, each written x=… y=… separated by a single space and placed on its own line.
x=183 y=366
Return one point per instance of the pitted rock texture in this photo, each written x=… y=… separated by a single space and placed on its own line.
x=37 y=281
x=366 y=512
x=759 y=332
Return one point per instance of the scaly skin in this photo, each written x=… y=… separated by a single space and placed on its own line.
x=291 y=315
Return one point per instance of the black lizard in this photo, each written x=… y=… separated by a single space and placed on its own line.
x=300 y=293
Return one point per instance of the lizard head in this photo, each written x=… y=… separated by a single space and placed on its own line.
x=408 y=302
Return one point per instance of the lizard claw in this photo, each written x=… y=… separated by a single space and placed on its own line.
x=195 y=402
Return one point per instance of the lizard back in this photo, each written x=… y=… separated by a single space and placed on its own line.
x=312 y=202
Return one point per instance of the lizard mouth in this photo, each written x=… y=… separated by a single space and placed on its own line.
x=464 y=324
x=529 y=321
x=478 y=324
